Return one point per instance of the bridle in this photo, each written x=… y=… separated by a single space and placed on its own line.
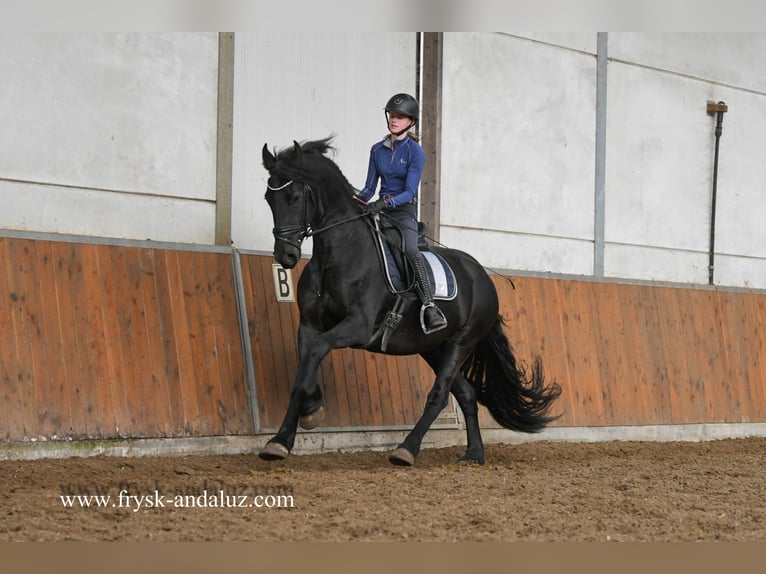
x=295 y=234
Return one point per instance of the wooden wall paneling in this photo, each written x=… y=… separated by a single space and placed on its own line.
x=234 y=406
x=609 y=342
x=267 y=392
x=10 y=427
x=578 y=323
x=607 y=394
x=71 y=341
x=103 y=409
x=644 y=394
x=181 y=366
x=748 y=355
x=228 y=397
x=32 y=353
x=341 y=359
x=369 y=381
x=706 y=351
x=133 y=341
x=83 y=391
x=198 y=276
x=413 y=395
x=376 y=376
x=157 y=400
x=138 y=336
x=18 y=363
x=706 y=372
x=638 y=378
x=401 y=400
x=54 y=409
x=251 y=314
x=203 y=280
x=747 y=352
x=214 y=343
x=403 y=409
x=663 y=336
x=369 y=397
x=754 y=401
x=113 y=304
x=252 y=284
x=734 y=379
x=406 y=405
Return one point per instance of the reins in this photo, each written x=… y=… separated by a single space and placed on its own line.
x=311 y=232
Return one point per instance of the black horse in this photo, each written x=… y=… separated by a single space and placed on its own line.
x=344 y=300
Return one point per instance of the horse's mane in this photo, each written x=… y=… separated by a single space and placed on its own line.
x=310 y=161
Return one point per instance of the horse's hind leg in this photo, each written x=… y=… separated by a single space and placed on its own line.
x=446 y=365
x=466 y=398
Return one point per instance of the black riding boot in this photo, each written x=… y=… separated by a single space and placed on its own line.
x=433 y=318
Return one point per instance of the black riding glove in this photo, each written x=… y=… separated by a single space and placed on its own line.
x=377 y=206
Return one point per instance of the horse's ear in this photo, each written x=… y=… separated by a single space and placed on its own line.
x=298 y=150
x=269 y=161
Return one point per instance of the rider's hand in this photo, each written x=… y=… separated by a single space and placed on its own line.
x=377 y=206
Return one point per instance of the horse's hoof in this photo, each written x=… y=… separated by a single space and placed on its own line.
x=274 y=451
x=401 y=457
x=313 y=420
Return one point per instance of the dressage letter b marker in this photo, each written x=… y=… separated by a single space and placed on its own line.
x=283 y=283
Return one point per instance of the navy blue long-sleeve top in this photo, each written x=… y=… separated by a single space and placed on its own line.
x=398 y=165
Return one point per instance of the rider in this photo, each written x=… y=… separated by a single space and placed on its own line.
x=397 y=161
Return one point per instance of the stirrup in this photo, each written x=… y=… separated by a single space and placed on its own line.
x=423 y=325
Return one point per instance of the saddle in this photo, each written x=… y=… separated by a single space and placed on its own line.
x=400 y=276
x=398 y=270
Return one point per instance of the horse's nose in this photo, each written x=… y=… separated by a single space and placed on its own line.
x=288 y=260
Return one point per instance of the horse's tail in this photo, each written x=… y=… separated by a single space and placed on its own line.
x=516 y=398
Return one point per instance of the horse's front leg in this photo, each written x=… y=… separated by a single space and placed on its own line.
x=305 y=398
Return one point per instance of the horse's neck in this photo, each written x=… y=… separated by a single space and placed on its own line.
x=349 y=245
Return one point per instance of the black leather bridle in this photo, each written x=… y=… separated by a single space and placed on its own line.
x=295 y=234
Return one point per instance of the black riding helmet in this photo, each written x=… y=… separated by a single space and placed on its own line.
x=403 y=104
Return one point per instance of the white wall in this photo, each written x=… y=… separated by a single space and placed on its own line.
x=518 y=124
x=308 y=86
x=109 y=134
x=115 y=135
x=660 y=150
x=518 y=155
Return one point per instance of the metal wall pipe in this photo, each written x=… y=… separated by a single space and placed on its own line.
x=717 y=109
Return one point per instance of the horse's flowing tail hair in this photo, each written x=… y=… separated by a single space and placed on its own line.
x=517 y=398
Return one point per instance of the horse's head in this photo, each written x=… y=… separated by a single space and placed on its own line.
x=299 y=177
x=288 y=196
